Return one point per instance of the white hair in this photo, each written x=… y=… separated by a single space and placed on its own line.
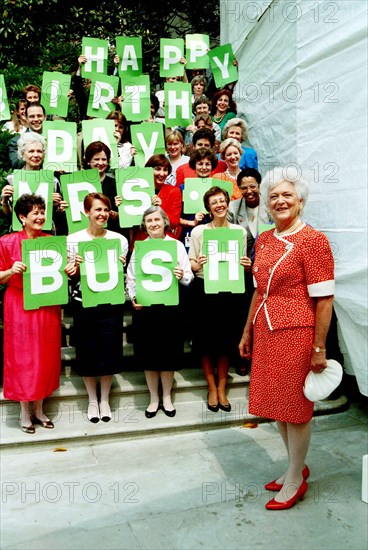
x=236 y=122
x=27 y=139
x=290 y=174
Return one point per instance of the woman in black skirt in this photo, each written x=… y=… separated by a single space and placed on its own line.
x=215 y=346
x=159 y=327
x=98 y=330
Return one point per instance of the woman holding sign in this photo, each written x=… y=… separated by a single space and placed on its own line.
x=216 y=345
x=31 y=149
x=285 y=333
x=32 y=338
x=102 y=324
x=158 y=327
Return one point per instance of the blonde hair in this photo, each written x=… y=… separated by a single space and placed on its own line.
x=225 y=144
x=236 y=122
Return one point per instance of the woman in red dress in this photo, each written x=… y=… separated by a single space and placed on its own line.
x=289 y=316
x=32 y=338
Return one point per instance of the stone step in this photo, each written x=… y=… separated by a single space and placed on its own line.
x=129 y=397
x=67 y=407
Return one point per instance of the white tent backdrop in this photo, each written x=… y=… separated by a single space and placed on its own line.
x=302 y=90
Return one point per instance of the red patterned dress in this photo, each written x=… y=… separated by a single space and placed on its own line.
x=291 y=271
x=32 y=339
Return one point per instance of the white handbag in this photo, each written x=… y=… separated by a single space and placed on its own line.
x=320 y=385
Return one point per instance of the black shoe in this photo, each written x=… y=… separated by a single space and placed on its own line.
x=151 y=414
x=226 y=408
x=212 y=408
x=171 y=414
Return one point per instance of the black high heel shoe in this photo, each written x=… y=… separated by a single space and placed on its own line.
x=213 y=408
x=226 y=408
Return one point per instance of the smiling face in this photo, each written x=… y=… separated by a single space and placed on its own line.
x=284 y=205
x=99 y=161
x=174 y=148
x=202 y=109
x=155 y=225
x=218 y=206
x=22 y=113
x=98 y=215
x=35 y=118
x=235 y=132
x=222 y=104
x=203 y=168
x=160 y=174
x=250 y=190
x=232 y=156
x=34 y=221
x=33 y=156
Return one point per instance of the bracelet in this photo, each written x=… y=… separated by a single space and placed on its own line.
x=318 y=349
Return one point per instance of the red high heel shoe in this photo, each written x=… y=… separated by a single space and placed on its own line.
x=299 y=495
x=273 y=486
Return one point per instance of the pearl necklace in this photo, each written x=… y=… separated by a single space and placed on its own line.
x=290 y=229
x=218 y=119
x=230 y=175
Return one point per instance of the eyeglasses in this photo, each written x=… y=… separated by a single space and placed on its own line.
x=248 y=187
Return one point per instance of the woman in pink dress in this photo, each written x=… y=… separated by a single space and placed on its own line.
x=32 y=338
x=285 y=333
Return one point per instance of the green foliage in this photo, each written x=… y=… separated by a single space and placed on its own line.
x=5 y=165
x=46 y=35
x=5 y=169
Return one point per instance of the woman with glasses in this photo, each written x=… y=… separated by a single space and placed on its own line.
x=223 y=312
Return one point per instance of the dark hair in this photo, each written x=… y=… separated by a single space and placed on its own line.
x=27 y=202
x=29 y=105
x=216 y=96
x=211 y=193
x=155 y=102
x=205 y=133
x=249 y=173
x=203 y=153
x=118 y=115
x=159 y=160
x=94 y=148
x=88 y=200
x=151 y=210
x=201 y=99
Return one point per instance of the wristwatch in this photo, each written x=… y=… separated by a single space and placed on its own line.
x=318 y=349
